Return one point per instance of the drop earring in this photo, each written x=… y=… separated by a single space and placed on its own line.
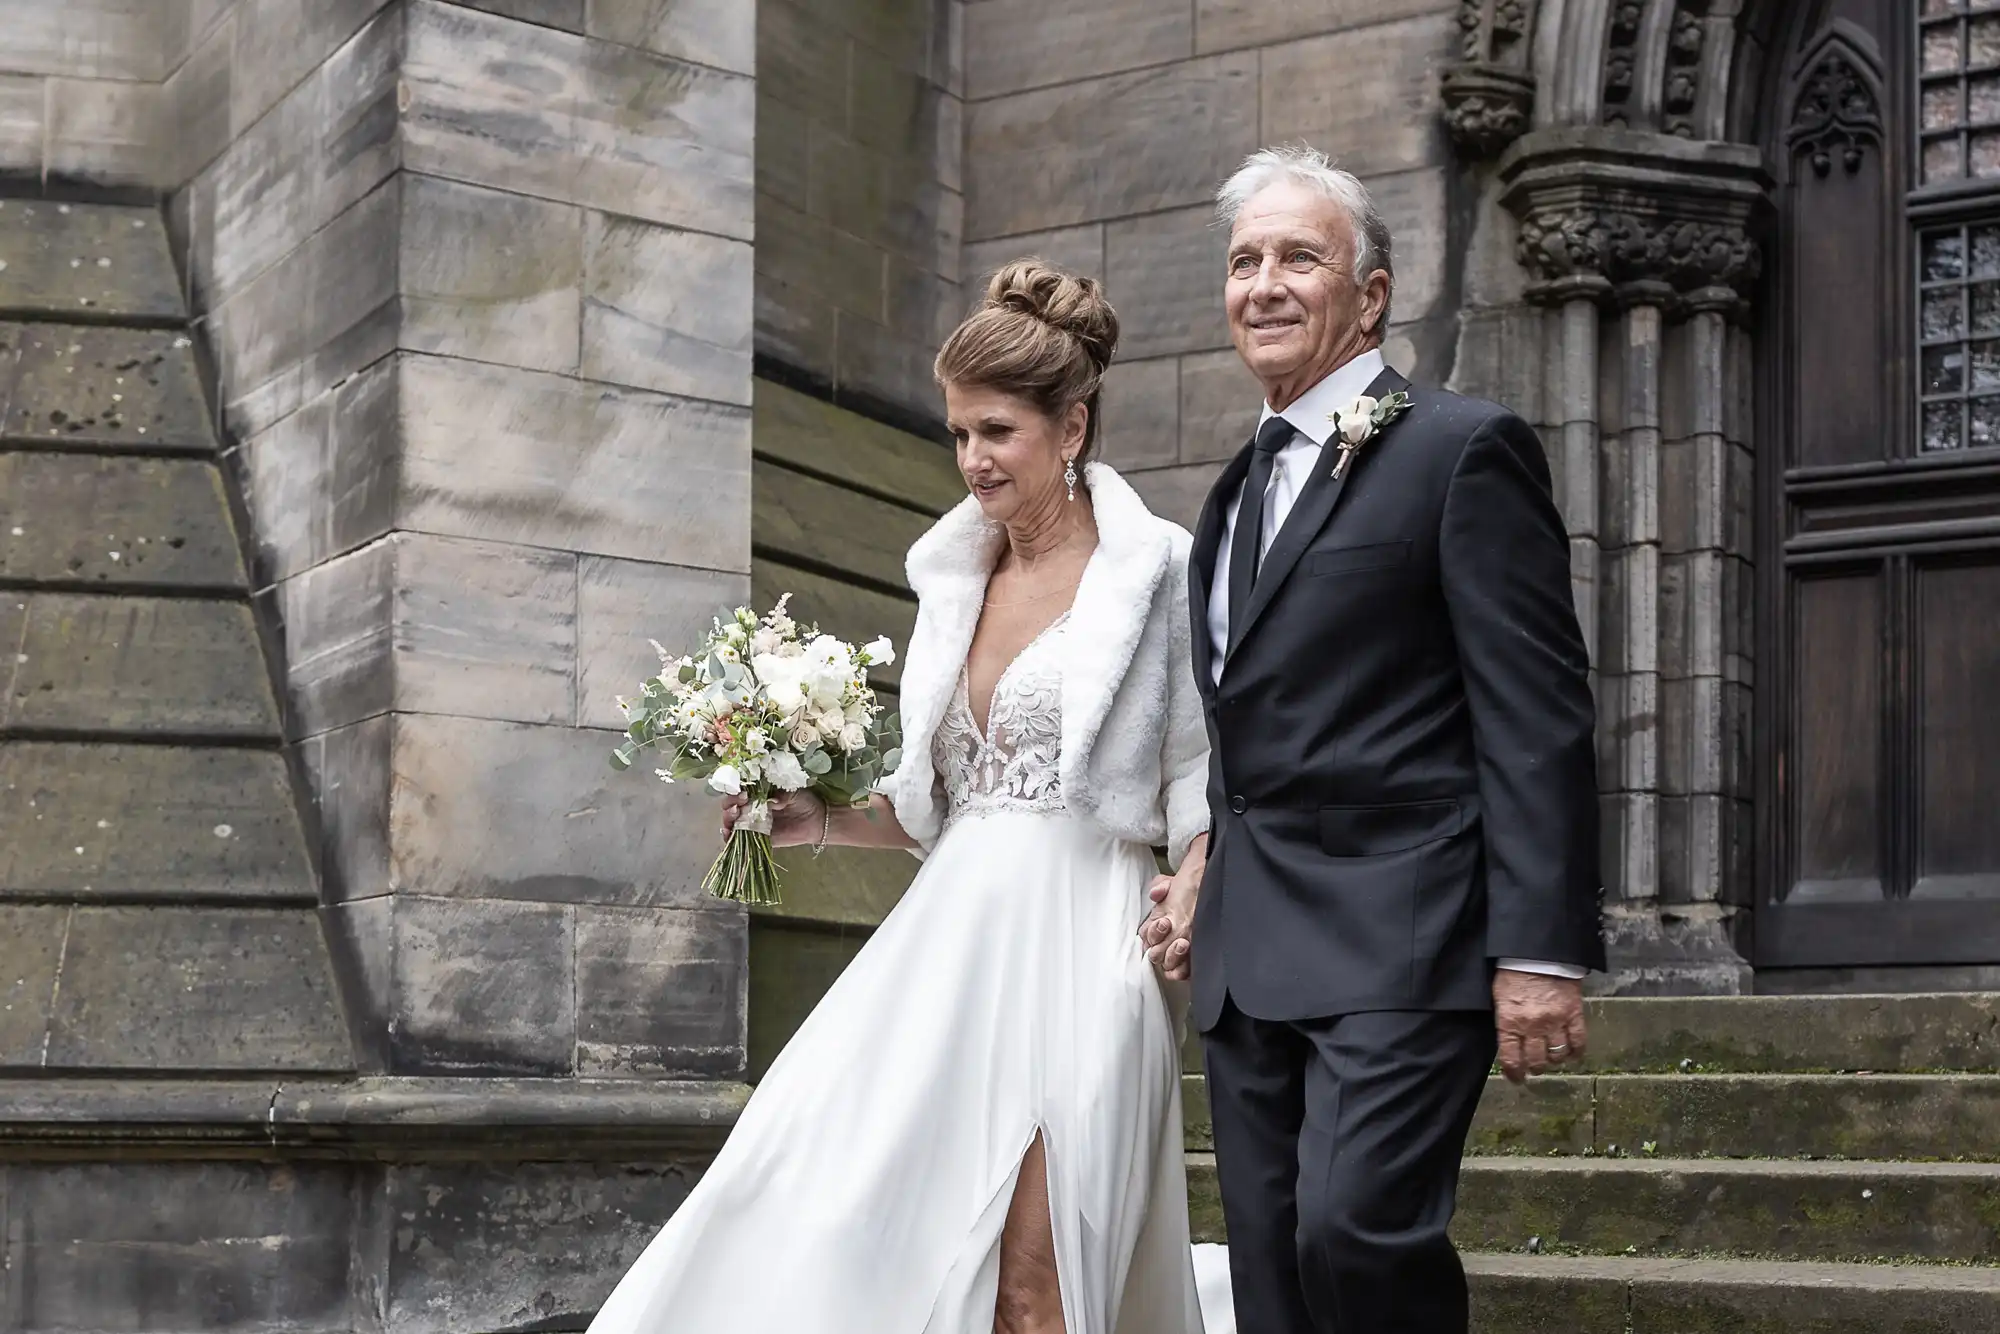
x=1069 y=477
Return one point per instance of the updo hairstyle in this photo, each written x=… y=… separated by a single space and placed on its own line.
x=1041 y=334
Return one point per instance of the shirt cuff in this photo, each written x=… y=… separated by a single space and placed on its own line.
x=1568 y=970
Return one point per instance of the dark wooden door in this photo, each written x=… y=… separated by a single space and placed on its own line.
x=1880 y=552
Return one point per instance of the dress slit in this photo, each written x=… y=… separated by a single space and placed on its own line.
x=972 y=1284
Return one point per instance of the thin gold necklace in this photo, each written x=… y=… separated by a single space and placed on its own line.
x=1039 y=597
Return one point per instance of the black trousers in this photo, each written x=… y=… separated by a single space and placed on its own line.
x=1338 y=1143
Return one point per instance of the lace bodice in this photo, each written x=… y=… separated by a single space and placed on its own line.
x=1017 y=764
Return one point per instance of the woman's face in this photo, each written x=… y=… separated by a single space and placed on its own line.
x=1010 y=452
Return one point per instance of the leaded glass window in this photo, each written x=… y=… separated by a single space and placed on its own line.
x=1959 y=328
x=1956 y=211
x=1959 y=45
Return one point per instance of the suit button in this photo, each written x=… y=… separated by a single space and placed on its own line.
x=1238 y=805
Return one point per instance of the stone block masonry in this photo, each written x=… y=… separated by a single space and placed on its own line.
x=859 y=204
x=477 y=280
x=479 y=361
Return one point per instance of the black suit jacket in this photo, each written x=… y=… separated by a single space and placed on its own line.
x=1402 y=780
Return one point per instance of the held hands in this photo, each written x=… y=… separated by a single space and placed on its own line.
x=1540 y=1019
x=796 y=817
x=1167 y=932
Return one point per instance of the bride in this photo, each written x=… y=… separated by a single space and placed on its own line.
x=979 y=1128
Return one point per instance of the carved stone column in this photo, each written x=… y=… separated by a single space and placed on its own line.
x=1653 y=238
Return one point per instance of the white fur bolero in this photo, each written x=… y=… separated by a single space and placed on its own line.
x=1134 y=744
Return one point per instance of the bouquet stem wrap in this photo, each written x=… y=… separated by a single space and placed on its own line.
x=746 y=871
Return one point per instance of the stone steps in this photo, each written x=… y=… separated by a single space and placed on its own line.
x=157 y=890
x=1752 y=1208
x=1906 y=1034
x=1739 y=1165
x=78 y=387
x=1599 y=1295
x=1941 y=1117
x=89 y=523
x=87 y=262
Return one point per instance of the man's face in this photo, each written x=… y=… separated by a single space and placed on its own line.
x=1295 y=311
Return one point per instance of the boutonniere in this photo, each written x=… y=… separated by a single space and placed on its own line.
x=1361 y=421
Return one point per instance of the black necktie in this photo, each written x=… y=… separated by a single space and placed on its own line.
x=1247 y=550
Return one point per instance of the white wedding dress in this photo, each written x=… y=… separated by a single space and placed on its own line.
x=864 y=1189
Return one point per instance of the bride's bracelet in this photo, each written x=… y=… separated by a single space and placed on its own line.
x=825 y=827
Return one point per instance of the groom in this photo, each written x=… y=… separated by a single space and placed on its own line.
x=1405 y=865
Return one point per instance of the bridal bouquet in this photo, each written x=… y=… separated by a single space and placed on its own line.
x=765 y=706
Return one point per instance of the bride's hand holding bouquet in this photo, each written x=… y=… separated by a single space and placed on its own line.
x=797 y=818
x=777 y=718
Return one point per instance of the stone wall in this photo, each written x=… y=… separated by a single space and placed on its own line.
x=478 y=289
x=859 y=203
x=472 y=288
x=1097 y=131
x=85 y=88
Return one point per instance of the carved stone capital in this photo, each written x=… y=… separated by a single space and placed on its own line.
x=1611 y=210
x=1486 y=107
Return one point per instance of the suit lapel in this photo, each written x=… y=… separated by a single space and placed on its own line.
x=1309 y=517
x=1207 y=545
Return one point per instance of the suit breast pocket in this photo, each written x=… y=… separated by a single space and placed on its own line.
x=1352 y=560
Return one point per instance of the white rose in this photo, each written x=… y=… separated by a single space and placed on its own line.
x=879 y=651
x=783 y=679
x=853 y=737
x=804 y=736
x=1355 y=426
x=830 y=655
x=825 y=686
x=727 y=781
x=785 y=772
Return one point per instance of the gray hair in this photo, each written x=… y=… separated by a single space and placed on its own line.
x=1306 y=166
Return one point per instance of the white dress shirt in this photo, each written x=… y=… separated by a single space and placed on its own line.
x=1311 y=420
